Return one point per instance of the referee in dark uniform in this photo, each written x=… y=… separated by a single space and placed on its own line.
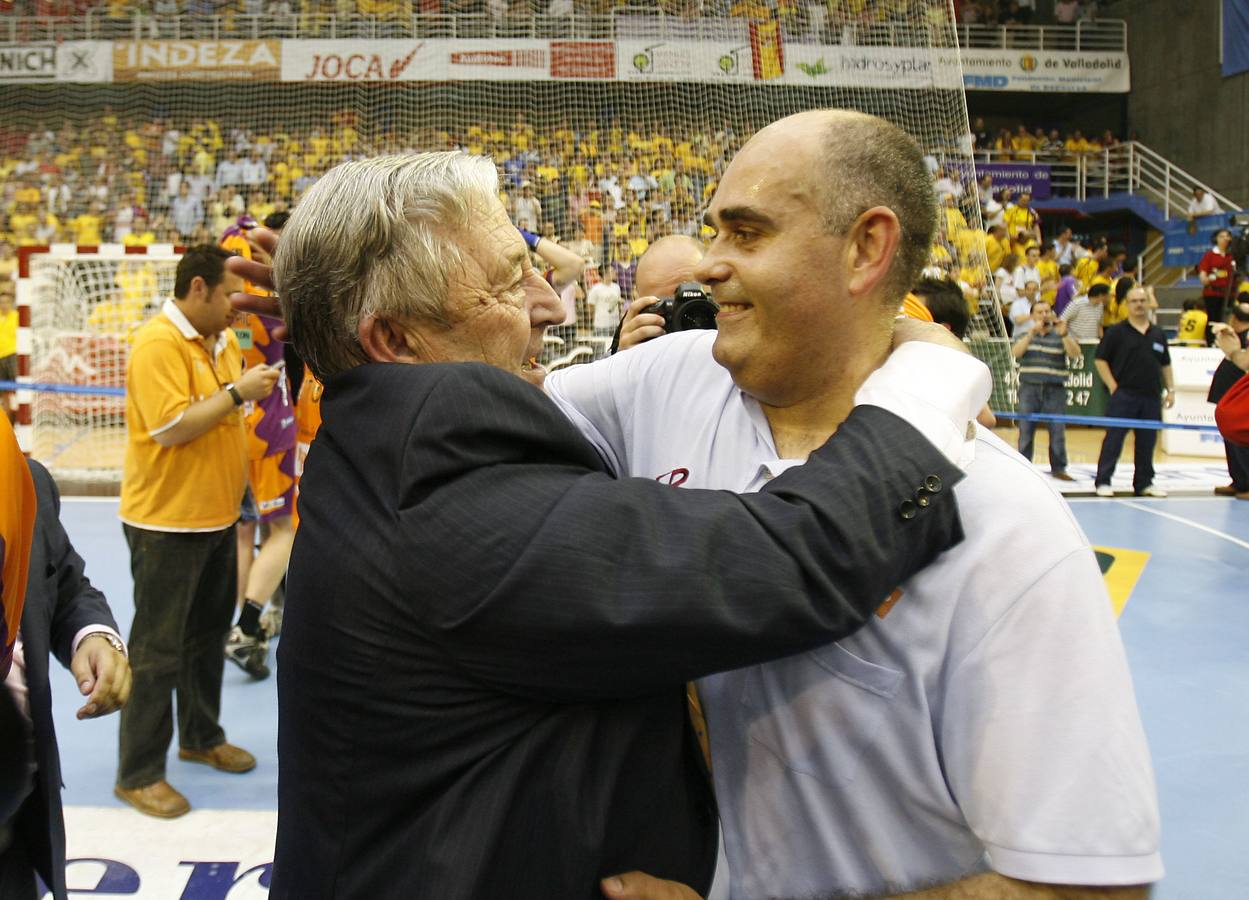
x=1134 y=364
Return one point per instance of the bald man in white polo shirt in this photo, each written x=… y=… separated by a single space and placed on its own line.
x=981 y=737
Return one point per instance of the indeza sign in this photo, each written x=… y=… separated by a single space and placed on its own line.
x=218 y=60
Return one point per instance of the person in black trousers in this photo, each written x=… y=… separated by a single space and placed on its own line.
x=1134 y=364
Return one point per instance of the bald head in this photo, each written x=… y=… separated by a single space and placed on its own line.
x=667 y=263
x=850 y=162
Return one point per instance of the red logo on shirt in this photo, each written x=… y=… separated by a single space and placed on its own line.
x=675 y=478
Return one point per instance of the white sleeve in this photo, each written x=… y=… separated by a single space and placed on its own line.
x=938 y=390
x=1043 y=746
x=598 y=399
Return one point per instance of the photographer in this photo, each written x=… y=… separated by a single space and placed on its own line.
x=666 y=264
x=1042 y=352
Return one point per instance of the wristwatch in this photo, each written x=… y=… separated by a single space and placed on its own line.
x=112 y=639
x=234 y=394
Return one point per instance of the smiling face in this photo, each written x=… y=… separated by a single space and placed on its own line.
x=498 y=306
x=776 y=271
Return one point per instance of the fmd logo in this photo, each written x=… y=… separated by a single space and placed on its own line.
x=986 y=82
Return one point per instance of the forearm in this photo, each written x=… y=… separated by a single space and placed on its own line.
x=197 y=419
x=1020 y=347
x=1168 y=379
x=992 y=886
x=1071 y=346
x=1103 y=372
x=1240 y=359
x=566 y=265
x=802 y=563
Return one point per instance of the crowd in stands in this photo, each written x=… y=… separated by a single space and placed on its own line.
x=1023 y=12
x=1028 y=143
x=863 y=12
x=605 y=192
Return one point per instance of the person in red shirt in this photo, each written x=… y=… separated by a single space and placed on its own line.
x=1217 y=271
x=1232 y=413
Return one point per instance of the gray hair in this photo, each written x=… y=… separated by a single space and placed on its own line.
x=869 y=162
x=376 y=237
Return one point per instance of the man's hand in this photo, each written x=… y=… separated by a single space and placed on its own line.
x=1225 y=338
x=908 y=329
x=1060 y=327
x=640 y=886
x=639 y=327
x=257 y=383
x=103 y=677
x=1169 y=400
x=260 y=273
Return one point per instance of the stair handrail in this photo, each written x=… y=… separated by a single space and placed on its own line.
x=1152 y=171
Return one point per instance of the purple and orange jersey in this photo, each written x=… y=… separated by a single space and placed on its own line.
x=271 y=421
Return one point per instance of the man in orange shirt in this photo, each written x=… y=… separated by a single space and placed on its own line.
x=181 y=488
x=17 y=525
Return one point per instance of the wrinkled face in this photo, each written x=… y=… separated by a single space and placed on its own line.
x=776 y=272
x=1138 y=304
x=498 y=304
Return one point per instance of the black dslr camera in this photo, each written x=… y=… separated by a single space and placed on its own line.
x=688 y=308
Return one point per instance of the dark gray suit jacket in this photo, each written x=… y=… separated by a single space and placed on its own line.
x=487 y=635
x=60 y=601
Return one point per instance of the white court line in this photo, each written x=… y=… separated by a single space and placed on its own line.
x=1144 y=507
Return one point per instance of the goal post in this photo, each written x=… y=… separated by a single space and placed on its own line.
x=78 y=309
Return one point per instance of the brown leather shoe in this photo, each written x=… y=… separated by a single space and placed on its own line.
x=157 y=799
x=223 y=758
x=1243 y=495
x=1061 y=476
x=1226 y=490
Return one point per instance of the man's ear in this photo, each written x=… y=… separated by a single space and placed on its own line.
x=383 y=340
x=871 y=245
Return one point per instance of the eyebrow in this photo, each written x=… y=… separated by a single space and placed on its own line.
x=738 y=215
x=509 y=263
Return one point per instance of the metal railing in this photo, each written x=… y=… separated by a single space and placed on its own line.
x=813 y=26
x=1127 y=168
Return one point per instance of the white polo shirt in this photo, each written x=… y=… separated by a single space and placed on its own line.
x=986 y=720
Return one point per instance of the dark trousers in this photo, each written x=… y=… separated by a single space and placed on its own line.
x=1238 y=465
x=1214 y=313
x=1050 y=398
x=1124 y=404
x=184 y=586
x=17 y=868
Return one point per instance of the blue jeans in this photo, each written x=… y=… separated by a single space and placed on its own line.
x=1124 y=404
x=1050 y=398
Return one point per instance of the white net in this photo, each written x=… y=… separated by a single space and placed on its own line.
x=84 y=310
x=620 y=125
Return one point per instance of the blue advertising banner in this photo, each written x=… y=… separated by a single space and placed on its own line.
x=1035 y=179
x=1235 y=37
x=1184 y=247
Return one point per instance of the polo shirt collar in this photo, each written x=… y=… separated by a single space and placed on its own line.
x=180 y=321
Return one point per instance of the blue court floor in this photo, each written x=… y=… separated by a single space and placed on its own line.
x=1185 y=625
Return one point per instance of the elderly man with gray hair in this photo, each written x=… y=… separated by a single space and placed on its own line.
x=478 y=698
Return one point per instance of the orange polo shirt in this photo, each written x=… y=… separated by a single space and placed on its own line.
x=17 y=526
x=915 y=308
x=196 y=486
